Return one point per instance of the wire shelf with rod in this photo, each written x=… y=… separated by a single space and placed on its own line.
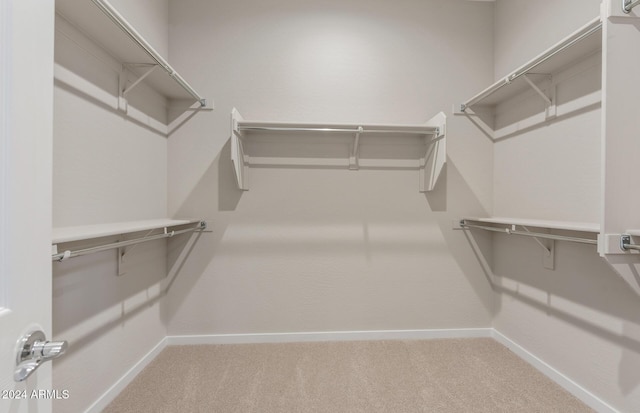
x=140 y=63
x=584 y=41
x=538 y=230
x=168 y=228
x=339 y=145
x=516 y=226
x=535 y=93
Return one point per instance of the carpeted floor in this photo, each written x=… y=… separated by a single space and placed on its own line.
x=456 y=375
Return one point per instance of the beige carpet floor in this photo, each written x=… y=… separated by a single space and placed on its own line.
x=458 y=375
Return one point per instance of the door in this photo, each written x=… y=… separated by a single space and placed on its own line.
x=26 y=114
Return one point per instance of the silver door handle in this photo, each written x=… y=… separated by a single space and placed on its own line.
x=33 y=350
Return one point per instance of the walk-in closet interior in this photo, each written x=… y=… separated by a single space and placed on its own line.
x=254 y=172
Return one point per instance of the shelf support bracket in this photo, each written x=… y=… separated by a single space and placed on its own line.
x=550 y=101
x=122 y=85
x=538 y=90
x=122 y=82
x=121 y=253
x=150 y=69
x=548 y=259
x=353 y=159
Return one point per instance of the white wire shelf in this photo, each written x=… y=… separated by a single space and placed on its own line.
x=540 y=223
x=516 y=226
x=579 y=44
x=347 y=145
x=85 y=232
x=90 y=232
x=101 y=22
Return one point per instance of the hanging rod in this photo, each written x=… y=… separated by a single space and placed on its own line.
x=585 y=31
x=627 y=5
x=202 y=225
x=509 y=231
x=130 y=31
x=431 y=131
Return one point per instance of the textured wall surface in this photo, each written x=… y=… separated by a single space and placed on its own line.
x=329 y=249
x=581 y=318
x=313 y=249
x=106 y=168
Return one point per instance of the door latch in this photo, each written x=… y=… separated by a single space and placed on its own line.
x=33 y=350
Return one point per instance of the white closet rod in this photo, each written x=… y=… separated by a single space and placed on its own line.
x=124 y=25
x=627 y=5
x=202 y=225
x=576 y=37
x=509 y=231
x=431 y=131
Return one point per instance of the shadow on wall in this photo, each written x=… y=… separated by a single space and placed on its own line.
x=228 y=192
x=581 y=290
x=91 y=299
x=461 y=201
x=480 y=117
x=101 y=104
x=347 y=219
x=546 y=123
x=628 y=376
x=91 y=73
x=87 y=285
x=437 y=198
x=513 y=266
x=188 y=259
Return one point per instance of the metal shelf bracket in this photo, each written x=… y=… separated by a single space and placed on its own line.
x=150 y=68
x=120 y=246
x=548 y=258
x=353 y=159
x=537 y=90
x=123 y=89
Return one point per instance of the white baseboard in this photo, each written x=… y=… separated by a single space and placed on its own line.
x=329 y=336
x=128 y=377
x=565 y=382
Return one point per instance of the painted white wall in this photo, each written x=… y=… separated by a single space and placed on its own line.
x=525 y=29
x=106 y=168
x=322 y=249
x=581 y=318
x=533 y=177
x=150 y=18
x=552 y=171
